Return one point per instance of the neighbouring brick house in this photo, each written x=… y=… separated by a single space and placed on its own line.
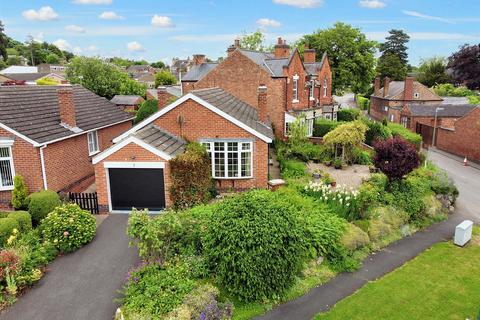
x=172 y=92
x=127 y=102
x=294 y=86
x=135 y=172
x=387 y=102
x=49 y=134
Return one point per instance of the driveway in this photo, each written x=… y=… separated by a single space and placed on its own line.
x=84 y=284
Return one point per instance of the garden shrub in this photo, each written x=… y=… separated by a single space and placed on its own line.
x=401 y=131
x=395 y=157
x=146 y=109
x=378 y=229
x=191 y=177
x=254 y=245
x=23 y=218
x=354 y=238
x=348 y=114
x=376 y=131
x=9 y=261
x=362 y=102
x=407 y=195
x=323 y=126
x=37 y=253
x=433 y=207
x=362 y=224
x=7 y=225
x=390 y=215
x=292 y=169
x=69 y=227
x=42 y=203
x=154 y=290
x=449 y=90
x=360 y=156
x=19 y=193
x=346 y=136
x=202 y=303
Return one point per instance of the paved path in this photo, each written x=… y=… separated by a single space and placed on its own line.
x=322 y=298
x=82 y=285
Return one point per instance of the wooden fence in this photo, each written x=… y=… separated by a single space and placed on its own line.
x=86 y=201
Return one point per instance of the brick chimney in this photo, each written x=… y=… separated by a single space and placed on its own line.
x=376 y=87
x=386 y=86
x=282 y=49
x=233 y=47
x=198 y=59
x=408 y=88
x=162 y=96
x=309 y=55
x=67 y=106
x=262 y=103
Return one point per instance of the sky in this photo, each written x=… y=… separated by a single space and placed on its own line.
x=162 y=29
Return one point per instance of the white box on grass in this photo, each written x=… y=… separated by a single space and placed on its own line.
x=463 y=233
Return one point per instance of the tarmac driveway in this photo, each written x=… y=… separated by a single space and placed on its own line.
x=84 y=284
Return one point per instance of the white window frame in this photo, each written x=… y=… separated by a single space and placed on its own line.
x=12 y=167
x=325 y=86
x=404 y=121
x=210 y=145
x=312 y=90
x=295 y=88
x=309 y=123
x=92 y=141
x=392 y=117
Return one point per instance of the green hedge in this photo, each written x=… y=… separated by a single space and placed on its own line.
x=6 y=228
x=41 y=204
x=363 y=103
x=23 y=218
x=348 y=114
x=323 y=126
x=399 y=130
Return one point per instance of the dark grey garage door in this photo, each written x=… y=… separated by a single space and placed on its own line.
x=139 y=188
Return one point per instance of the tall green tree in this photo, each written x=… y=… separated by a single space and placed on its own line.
x=465 y=66
x=3 y=42
x=394 y=46
x=350 y=53
x=164 y=77
x=103 y=78
x=254 y=41
x=433 y=72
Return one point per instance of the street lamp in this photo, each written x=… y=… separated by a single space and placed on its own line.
x=435 y=124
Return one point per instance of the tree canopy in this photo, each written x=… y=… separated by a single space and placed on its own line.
x=347 y=136
x=254 y=41
x=465 y=66
x=3 y=42
x=433 y=72
x=164 y=77
x=350 y=53
x=393 y=62
x=103 y=78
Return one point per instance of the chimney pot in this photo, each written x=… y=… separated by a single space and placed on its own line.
x=67 y=106
x=237 y=43
x=309 y=55
x=386 y=86
x=162 y=96
x=262 y=103
x=408 y=88
x=281 y=49
x=376 y=87
x=198 y=59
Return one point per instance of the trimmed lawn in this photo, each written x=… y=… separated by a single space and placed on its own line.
x=441 y=283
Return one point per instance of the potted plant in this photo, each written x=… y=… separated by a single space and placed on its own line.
x=328 y=163
x=317 y=173
x=328 y=180
x=337 y=163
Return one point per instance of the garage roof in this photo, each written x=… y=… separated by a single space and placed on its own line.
x=161 y=140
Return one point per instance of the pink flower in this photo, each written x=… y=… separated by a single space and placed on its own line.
x=66 y=234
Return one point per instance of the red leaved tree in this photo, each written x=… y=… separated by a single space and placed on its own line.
x=395 y=157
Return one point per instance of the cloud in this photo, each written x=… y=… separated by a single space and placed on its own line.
x=135 y=46
x=75 y=28
x=204 y=38
x=300 y=3
x=109 y=15
x=94 y=2
x=427 y=36
x=425 y=16
x=62 y=44
x=162 y=21
x=91 y=48
x=39 y=37
x=265 y=22
x=43 y=14
x=372 y=4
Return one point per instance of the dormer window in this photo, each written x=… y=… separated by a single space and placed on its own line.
x=295 y=88
x=325 y=86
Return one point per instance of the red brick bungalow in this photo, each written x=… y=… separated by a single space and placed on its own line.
x=49 y=134
x=295 y=86
x=134 y=172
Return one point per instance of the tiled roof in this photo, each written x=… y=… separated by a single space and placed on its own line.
x=34 y=112
x=161 y=140
x=173 y=90
x=234 y=107
x=455 y=100
x=126 y=100
x=26 y=76
x=312 y=67
x=197 y=72
x=396 y=88
x=267 y=61
x=449 y=110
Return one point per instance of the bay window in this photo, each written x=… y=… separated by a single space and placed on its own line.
x=230 y=159
x=7 y=171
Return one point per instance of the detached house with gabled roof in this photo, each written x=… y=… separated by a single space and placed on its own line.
x=135 y=172
x=295 y=86
x=49 y=134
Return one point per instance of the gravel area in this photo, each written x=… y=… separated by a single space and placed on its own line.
x=351 y=176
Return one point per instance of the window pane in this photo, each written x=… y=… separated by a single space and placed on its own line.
x=4 y=152
x=206 y=145
x=219 y=164
x=232 y=164
x=246 y=164
x=6 y=173
x=219 y=146
x=245 y=146
x=232 y=146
